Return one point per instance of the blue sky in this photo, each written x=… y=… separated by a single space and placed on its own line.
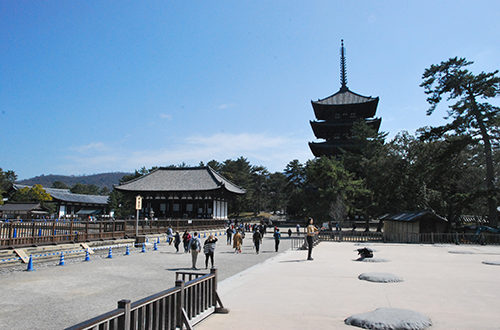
x=95 y=86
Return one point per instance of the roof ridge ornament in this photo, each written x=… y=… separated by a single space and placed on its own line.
x=343 y=73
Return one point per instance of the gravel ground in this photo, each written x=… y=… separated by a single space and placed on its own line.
x=55 y=297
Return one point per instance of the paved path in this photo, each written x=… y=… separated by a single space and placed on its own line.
x=55 y=297
x=456 y=290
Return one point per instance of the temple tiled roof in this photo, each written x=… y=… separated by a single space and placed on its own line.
x=64 y=195
x=345 y=97
x=181 y=180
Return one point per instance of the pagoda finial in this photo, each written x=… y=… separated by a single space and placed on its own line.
x=343 y=76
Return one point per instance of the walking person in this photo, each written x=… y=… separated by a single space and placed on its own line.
x=209 y=249
x=195 y=247
x=277 y=237
x=298 y=229
x=237 y=241
x=177 y=241
x=169 y=235
x=186 y=237
x=311 y=230
x=257 y=239
x=229 y=234
x=289 y=232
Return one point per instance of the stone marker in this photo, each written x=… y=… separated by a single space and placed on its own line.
x=390 y=319
x=380 y=277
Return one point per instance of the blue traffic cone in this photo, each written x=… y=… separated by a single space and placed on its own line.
x=143 y=247
x=127 y=251
x=30 y=265
x=155 y=247
x=87 y=256
x=61 y=260
x=110 y=253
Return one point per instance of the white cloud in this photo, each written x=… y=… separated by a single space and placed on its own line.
x=225 y=106
x=273 y=152
x=91 y=147
x=165 y=116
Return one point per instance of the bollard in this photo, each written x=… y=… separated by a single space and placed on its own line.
x=15 y=233
x=155 y=247
x=61 y=260
x=110 y=253
x=30 y=265
x=143 y=247
x=215 y=234
x=147 y=240
x=39 y=232
x=158 y=240
x=127 y=252
x=204 y=235
x=87 y=256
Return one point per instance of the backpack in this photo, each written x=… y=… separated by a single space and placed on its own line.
x=195 y=244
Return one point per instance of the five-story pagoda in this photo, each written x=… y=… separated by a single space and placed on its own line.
x=336 y=115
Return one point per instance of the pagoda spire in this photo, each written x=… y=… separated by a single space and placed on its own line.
x=343 y=75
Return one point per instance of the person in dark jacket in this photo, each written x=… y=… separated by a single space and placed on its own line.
x=277 y=237
x=209 y=249
x=257 y=238
x=177 y=241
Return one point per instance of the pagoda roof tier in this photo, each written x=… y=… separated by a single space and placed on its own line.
x=188 y=179
x=345 y=101
x=332 y=147
x=327 y=129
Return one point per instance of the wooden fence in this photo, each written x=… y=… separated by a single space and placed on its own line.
x=425 y=238
x=184 y=305
x=26 y=233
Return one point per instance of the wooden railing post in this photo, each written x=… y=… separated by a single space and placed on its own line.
x=71 y=231
x=54 y=231
x=33 y=229
x=124 y=322
x=179 y=304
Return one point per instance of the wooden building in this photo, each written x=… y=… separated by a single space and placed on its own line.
x=22 y=211
x=192 y=192
x=71 y=205
x=403 y=225
x=336 y=115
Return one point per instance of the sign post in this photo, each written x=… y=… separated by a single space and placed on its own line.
x=138 y=206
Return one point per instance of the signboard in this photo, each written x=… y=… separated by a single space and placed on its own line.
x=138 y=202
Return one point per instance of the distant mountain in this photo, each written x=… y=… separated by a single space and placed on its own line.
x=101 y=180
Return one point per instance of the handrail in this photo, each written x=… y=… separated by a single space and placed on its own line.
x=183 y=305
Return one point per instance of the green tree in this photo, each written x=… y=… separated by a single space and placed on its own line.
x=7 y=179
x=59 y=185
x=330 y=191
x=85 y=189
x=480 y=120
x=34 y=194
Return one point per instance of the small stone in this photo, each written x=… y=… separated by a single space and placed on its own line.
x=380 y=277
x=495 y=263
x=371 y=260
x=390 y=319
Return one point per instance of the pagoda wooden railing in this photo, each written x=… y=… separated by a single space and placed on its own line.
x=35 y=232
x=184 y=305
